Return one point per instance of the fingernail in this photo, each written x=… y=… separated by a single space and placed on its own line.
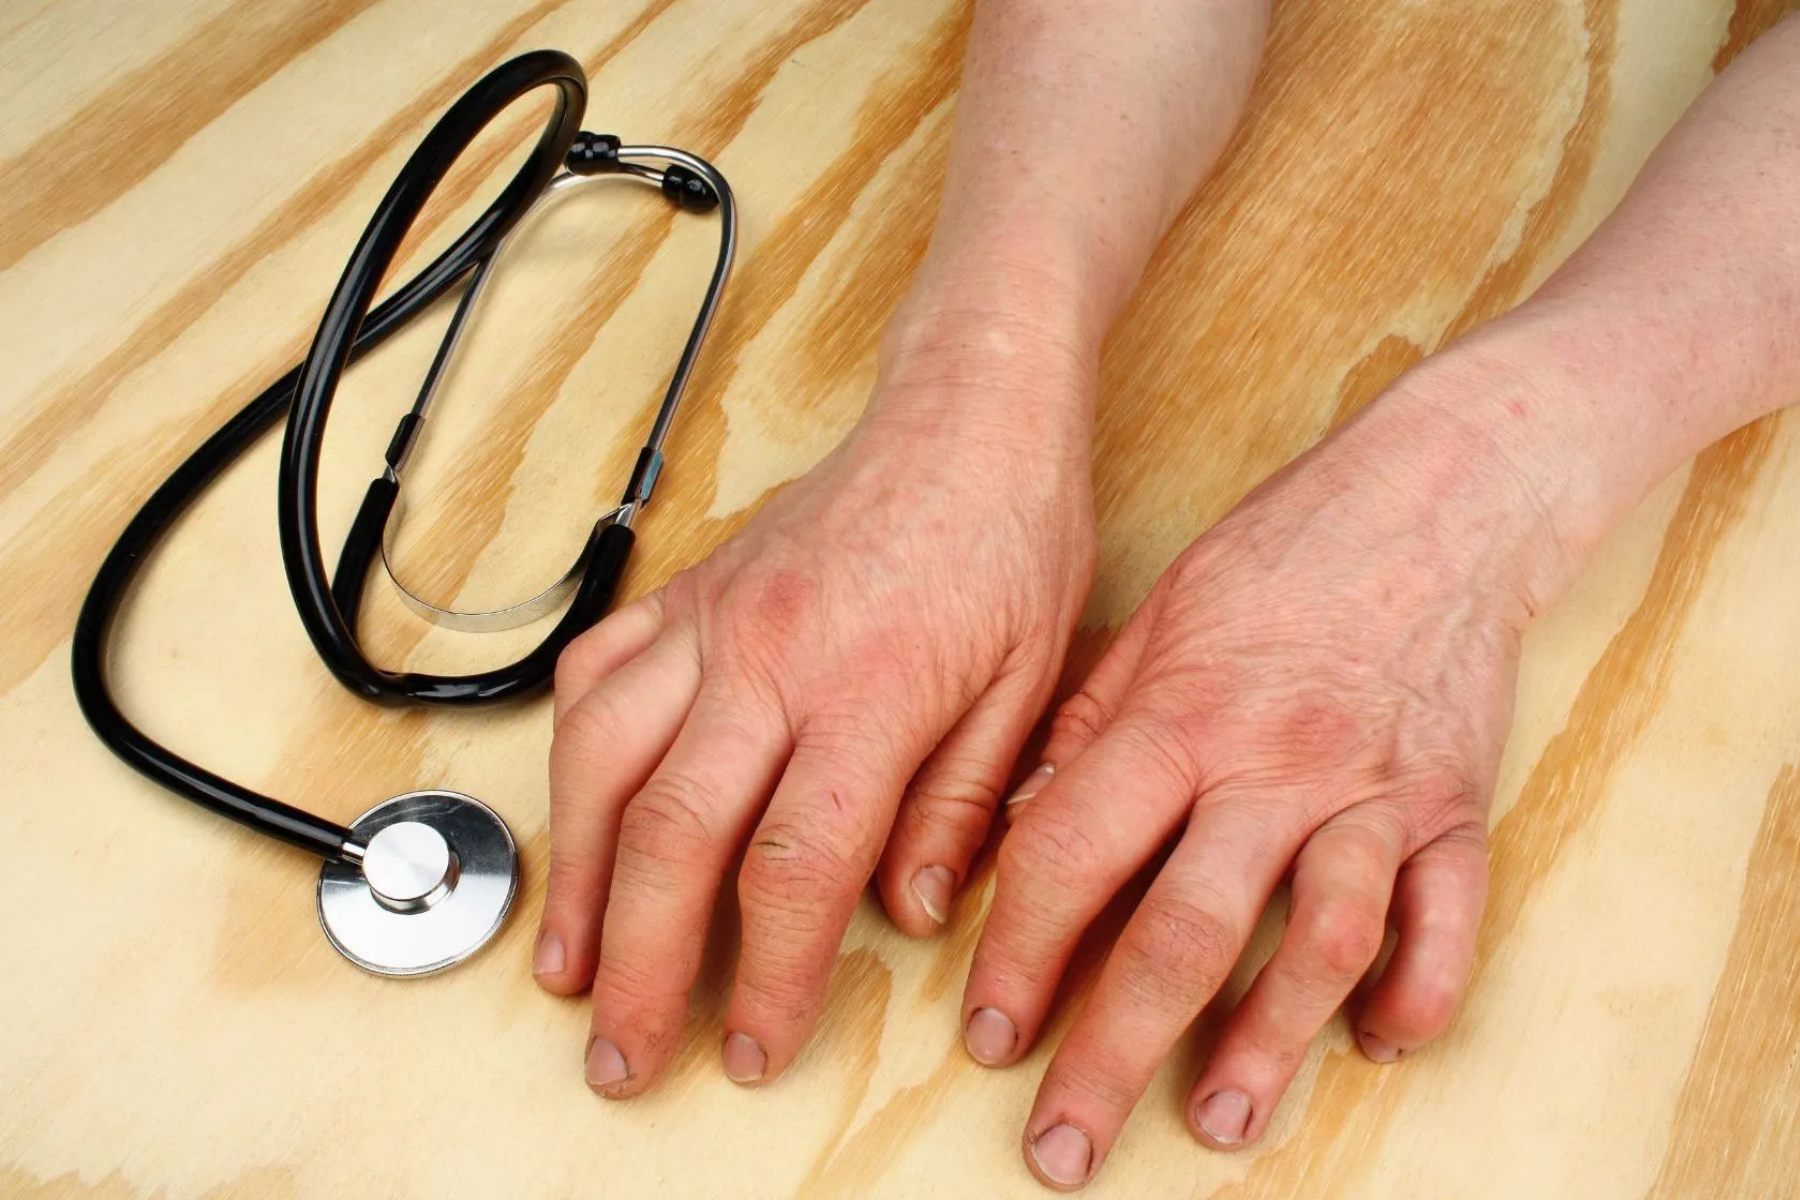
x=1034 y=783
x=1224 y=1116
x=1376 y=1049
x=744 y=1059
x=549 y=958
x=605 y=1065
x=990 y=1036
x=1064 y=1154
x=934 y=886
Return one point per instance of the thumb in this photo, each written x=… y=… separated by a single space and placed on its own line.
x=1086 y=714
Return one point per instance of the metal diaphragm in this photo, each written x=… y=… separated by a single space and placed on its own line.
x=438 y=877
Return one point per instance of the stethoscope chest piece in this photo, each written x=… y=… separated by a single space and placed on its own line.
x=438 y=874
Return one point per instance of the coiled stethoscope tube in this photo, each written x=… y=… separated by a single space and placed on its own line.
x=328 y=606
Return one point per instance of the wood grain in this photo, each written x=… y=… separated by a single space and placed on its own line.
x=181 y=182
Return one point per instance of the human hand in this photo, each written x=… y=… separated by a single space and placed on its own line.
x=1323 y=684
x=859 y=666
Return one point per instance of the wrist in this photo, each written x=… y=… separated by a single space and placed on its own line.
x=1513 y=512
x=1575 y=406
x=1031 y=272
x=992 y=349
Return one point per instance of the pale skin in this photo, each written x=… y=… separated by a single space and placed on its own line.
x=1318 y=689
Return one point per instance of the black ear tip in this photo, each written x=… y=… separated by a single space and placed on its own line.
x=592 y=154
x=688 y=189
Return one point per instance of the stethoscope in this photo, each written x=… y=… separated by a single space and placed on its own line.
x=422 y=880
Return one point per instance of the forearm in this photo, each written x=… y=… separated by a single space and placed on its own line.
x=1081 y=130
x=1677 y=322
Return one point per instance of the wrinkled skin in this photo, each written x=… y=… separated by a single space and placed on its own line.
x=843 y=686
x=1318 y=689
x=1322 y=685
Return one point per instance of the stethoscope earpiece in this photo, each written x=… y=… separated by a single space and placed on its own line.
x=435 y=877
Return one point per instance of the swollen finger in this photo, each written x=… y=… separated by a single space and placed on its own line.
x=677 y=839
x=1336 y=920
x=605 y=747
x=1437 y=913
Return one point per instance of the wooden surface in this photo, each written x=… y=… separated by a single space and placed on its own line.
x=181 y=183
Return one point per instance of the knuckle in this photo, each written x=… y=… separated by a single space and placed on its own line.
x=574 y=664
x=571 y=874
x=1093 y=1077
x=684 y=592
x=1342 y=936
x=781 y=983
x=1428 y=1006
x=1193 y=573
x=573 y=902
x=1321 y=726
x=634 y=984
x=1049 y=843
x=955 y=804
x=667 y=822
x=1275 y=1049
x=863 y=734
x=770 y=605
x=1444 y=799
x=1079 y=719
x=589 y=724
x=795 y=868
x=1161 y=749
x=1181 y=949
x=1467 y=839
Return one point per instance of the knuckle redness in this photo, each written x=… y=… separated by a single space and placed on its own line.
x=1344 y=936
x=1337 y=748
x=1352 y=688
x=1428 y=1007
x=765 y=611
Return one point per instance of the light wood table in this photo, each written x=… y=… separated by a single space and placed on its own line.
x=181 y=184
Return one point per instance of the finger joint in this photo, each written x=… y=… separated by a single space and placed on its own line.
x=672 y=822
x=1182 y=948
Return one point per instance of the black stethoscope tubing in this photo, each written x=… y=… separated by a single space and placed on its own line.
x=351 y=328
